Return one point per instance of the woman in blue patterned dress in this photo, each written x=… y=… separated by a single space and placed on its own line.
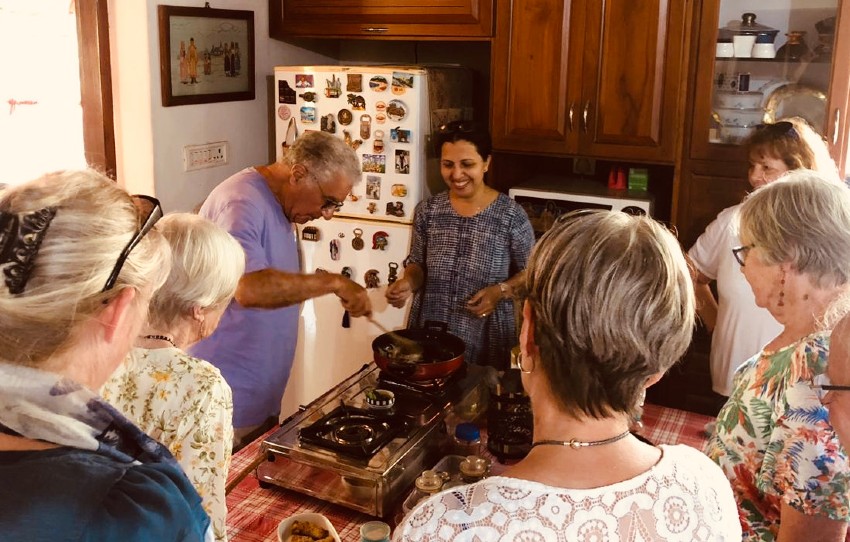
x=774 y=441
x=470 y=246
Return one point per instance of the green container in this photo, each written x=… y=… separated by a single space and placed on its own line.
x=638 y=178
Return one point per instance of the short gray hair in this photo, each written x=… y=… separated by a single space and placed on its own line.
x=95 y=219
x=324 y=155
x=802 y=219
x=207 y=265
x=613 y=304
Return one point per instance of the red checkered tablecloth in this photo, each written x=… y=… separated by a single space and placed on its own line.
x=254 y=513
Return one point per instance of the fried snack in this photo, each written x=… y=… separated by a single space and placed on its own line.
x=328 y=538
x=300 y=538
x=306 y=528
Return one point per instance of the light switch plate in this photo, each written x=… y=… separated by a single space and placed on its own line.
x=204 y=156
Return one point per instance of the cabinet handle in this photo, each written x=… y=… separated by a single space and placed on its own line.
x=584 y=115
x=571 y=114
x=835 y=124
x=374 y=29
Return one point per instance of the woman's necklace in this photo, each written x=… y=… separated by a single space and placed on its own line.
x=576 y=444
x=161 y=338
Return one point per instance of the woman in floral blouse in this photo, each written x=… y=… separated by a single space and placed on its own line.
x=182 y=401
x=774 y=441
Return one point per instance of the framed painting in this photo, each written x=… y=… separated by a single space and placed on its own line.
x=205 y=55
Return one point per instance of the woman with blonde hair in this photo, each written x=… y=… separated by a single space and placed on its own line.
x=182 y=401
x=774 y=441
x=608 y=307
x=80 y=259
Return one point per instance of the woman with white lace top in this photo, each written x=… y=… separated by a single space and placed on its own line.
x=182 y=401
x=608 y=308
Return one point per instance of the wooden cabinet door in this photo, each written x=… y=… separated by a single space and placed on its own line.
x=536 y=75
x=705 y=192
x=838 y=107
x=633 y=80
x=389 y=19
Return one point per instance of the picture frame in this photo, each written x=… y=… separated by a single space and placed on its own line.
x=206 y=55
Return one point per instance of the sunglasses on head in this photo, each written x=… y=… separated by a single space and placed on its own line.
x=457 y=126
x=779 y=128
x=150 y=211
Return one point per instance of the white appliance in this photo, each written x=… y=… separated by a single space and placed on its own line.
x=545 y=198
x=387 y=114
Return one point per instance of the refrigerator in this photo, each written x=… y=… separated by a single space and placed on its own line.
x=387 y=114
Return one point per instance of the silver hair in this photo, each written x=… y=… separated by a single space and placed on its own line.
x=207 y=263
x=94 y=221
x=802 y=219
x=324 y=156
x=613 y=304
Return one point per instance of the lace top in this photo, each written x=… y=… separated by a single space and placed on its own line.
x=683 y=497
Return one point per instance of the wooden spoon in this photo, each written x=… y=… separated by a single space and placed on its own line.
x=408 y=347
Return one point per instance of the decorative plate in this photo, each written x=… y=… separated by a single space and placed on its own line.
x=797 y=101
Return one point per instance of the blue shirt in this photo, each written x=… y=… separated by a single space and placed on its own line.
x=253 y=348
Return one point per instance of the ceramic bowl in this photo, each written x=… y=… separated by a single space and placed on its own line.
x=735 y=134
x=739 y=117
x=731 y=99
x=285 y=527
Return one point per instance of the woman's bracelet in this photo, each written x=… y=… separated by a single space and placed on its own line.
x=506 y=290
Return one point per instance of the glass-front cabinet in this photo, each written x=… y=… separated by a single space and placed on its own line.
x=763 y=61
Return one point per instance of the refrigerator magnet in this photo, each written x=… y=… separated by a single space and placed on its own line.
x=398 y=135
x=396 y=110
x=344 y=117
x=334 y=87
x=357 y=243
x=354 y=82
x=395 y=208
x=380 y=240
x=401 y=82
x=373 y=187
x=374 y=163
x=334 y=249
x=402 y=161
x=284 y=112
x=308 y=114
x=371 y=278
x=346 y=272
x=378 y=83
x=365 y=126
x=393 y=276
x=328 y=123
x=372 y=207
x=310 y=233
x=378 y=142
x=304 y=80
x=285 y=93
x=357 y=102
x=353 y=143
x=380 y=118
x=308 y=96
x=398 y=190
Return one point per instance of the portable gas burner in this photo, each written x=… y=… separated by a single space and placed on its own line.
x=342 y=450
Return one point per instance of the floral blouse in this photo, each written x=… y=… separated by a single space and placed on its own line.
x=184 y=403
x=775 y=443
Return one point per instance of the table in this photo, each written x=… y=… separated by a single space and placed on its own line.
x=254 y=513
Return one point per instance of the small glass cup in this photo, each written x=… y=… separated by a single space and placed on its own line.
x=375 y=531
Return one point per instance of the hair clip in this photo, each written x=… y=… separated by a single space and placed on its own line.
x=20 y=238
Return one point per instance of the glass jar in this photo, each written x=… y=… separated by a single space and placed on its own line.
x=428 y=483
x=467 y=439
x=474 y=468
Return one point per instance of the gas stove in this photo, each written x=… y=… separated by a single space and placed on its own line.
x=341 y=450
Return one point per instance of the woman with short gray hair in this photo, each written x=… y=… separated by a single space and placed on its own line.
x=608 y=307
x=773 y=438
x=183 y=401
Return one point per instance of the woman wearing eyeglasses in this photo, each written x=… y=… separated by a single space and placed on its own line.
x=182 y=401
x=608 y=307
x=773 y=439
x=80 y=262
x=740 y=328
x=470 y=245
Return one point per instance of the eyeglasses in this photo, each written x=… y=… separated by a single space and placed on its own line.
x=149 y=208
x=331 y=205
x=822 y=389
x=780 y=128
x=740 y=253
x=457 y=126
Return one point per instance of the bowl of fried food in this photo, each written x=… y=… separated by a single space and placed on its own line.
x=307 y=527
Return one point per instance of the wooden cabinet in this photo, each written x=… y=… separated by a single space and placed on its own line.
x=714 y=166
x=600 y=79
x=386 y=19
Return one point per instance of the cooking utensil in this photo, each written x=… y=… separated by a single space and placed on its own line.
x=407 y=348
x=442 y=353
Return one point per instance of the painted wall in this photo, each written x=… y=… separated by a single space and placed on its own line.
x=150 y=138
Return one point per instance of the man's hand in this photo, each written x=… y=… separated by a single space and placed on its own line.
x=353 y=297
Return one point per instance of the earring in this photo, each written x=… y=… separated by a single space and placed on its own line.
x=522 y=369
x=781 y=302
x=637 y=424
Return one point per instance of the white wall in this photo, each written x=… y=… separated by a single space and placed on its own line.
x=150 y=138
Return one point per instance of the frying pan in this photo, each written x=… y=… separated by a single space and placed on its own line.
x=442 y=352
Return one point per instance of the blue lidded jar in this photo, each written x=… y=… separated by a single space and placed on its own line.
x=467 y=439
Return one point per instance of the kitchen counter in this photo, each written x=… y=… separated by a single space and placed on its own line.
x=254 y=513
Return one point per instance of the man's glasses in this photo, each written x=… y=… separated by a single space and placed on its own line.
x=740 y=253
x=822 y=389
x=331 y=205
x=151 y=210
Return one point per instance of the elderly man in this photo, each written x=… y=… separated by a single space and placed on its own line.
x=255 y=342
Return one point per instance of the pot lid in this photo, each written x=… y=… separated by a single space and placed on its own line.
x=748 y=26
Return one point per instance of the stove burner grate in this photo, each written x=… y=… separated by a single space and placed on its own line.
x=353 y=431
